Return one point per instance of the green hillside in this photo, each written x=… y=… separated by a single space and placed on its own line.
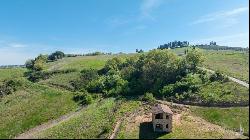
x=110 y=90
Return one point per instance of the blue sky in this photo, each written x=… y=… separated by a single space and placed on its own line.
x=31 y=27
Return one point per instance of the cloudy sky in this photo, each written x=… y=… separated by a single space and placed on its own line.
x=31 y=27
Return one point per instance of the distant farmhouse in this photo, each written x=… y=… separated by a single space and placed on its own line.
x=162 y=118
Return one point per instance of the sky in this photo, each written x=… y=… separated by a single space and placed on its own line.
x=32 y=27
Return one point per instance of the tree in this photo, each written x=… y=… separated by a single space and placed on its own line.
x=39 y=63
x=194 y=58
x=56 y=55
x=29 y=64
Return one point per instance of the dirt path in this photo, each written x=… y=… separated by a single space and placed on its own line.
x=115 y=131
x=231 y=78
x=30 y=133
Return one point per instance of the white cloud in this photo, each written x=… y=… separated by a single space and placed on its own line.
x=222 y=15
x=148 y=6
x=17 y=45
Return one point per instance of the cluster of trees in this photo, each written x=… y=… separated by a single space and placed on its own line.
x=212 y=43
x=139 y=51
x=38 y=64
x=56 y=55
x=97 y=53
x=174 y=44
x=144 y=73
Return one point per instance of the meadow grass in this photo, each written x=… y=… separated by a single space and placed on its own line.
x=230 y=118
x=93 y=122
x=231 y=63
x=96 y=121
x=228 y=92
x=62 y=80
x=31 y=106
x=80 y=62
x=11 y=73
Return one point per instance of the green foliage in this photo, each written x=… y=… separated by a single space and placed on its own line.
x=149 y=97
x=38 y=64
x=36 y=76
x=224 y=93
x=83 y=97
x=29 y=64
x=183 y=89
x=143 y=73
x=110 y=85
x=95 y=53
x=9 y=87
x=194 y=58
x=113 y=65
x=87 y=75
x=56 y=55
x=218 y=76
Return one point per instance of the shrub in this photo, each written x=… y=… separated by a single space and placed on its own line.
x=194 y=58
x=149 y=97
x=218 y=76
x=83 y=97
x=167 y=90
x=29 y=64
x=9 y=86
x=182 y=89
x=87 y=75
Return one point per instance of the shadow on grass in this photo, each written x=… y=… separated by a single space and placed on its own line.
x=147 y=132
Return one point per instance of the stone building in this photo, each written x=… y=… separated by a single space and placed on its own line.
x=162 y=118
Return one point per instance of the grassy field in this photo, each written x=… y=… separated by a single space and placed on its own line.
x=61 y=80
x=31 y=106
x=230 y=118
x=36 y=103
x=232 y=63
x=228 y=92
x=94 y=122
x=80 y=62
x=11 y=73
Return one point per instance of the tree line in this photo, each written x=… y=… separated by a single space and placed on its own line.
x=174 y=44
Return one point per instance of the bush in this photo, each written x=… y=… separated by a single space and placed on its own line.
x=83 y=98
x=182 y=89
x=218 y=76
x=87 y=75
x=167 y=91
x=149 y=97
x=35 y=76
x=29 y=64
x=194 y=58
x=9 y=86
x=148 y=72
